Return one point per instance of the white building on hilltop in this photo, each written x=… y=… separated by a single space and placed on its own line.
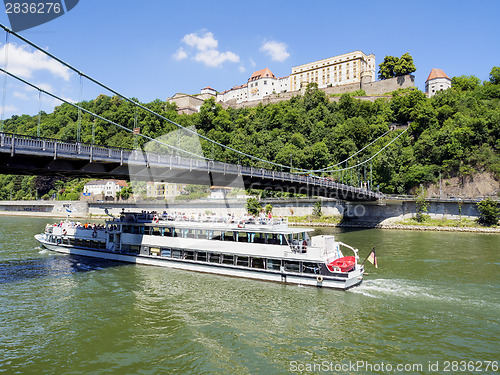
x=437 y=80
x=262 y=83
x=333 y=71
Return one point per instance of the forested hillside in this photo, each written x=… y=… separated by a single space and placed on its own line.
x=455 y=133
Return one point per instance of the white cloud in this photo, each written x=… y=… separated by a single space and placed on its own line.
x=24 y=63
x=242 y=69
x=203 y=48
x=45 y=86
x=214 y=58
x=10 y=109
x=206 y=42
x=21 y=95
x=253 y=63
x=276 y=50
x=180 y=54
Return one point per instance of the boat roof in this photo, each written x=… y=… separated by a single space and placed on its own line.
x=278 y=226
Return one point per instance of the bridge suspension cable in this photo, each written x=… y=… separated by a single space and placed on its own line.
x=135 y=103
x=96 y=115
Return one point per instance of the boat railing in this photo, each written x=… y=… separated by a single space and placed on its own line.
x=240 y=221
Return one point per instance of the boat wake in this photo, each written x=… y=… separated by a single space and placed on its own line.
x=386 y=288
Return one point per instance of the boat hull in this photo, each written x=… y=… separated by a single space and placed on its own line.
x=354 y=278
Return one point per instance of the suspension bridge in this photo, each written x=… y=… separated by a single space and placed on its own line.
x=21 y=154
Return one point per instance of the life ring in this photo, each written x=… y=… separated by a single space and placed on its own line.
x=319 y=279
x=304 y=245
x=94 y=234
x=64 y=232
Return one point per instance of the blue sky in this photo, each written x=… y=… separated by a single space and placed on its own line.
x=153 y=49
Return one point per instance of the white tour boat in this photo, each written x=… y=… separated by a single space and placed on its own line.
x=256 y=248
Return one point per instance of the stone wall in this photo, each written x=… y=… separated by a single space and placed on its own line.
x=388 y=85
x=44 y=208
x=374 y=90
x=363 y=212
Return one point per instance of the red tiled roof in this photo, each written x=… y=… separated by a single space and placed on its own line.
x=436 y=73
x=263 y=73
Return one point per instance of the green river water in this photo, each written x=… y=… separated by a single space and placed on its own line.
x=432 y=307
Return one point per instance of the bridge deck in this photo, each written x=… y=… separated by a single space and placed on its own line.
x=21 y=154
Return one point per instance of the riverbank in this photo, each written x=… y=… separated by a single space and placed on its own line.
x=443 y=216
x=398 y=226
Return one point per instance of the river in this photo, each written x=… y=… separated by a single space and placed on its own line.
x=433 y=303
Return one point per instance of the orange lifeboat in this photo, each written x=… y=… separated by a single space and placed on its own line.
x=345 y=264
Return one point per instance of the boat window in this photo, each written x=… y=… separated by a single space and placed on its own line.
x=202 y=234
x=95 y=244
x=259 y=238
x=166 y=252
x=86 y=243
x=242 y=237
x=201 y=256
x=72 y=241
x=155 y=231
x=242 y=261
x=214 y=258
x=274 y=264
x=229 y=236
x=167 y=232
x=216 y=235
x=310 y=268
x=134 y=249
x=227 y=259
x=189 y=254
x=258 y=263
x=191 y=233
x=292 y=266
x=176 y=253
x=273 y=239
x=155 y=251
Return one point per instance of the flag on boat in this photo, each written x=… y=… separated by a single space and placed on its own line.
x=372 y=258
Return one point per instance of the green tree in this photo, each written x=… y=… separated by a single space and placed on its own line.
x=386 y=68
x=488 y=212
x=421 y=205
x=404 y=65
x=395 y=67
x=253 y=206
x=268 y=208
x=465 y=83
x=495 y=75
x=317 y=209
